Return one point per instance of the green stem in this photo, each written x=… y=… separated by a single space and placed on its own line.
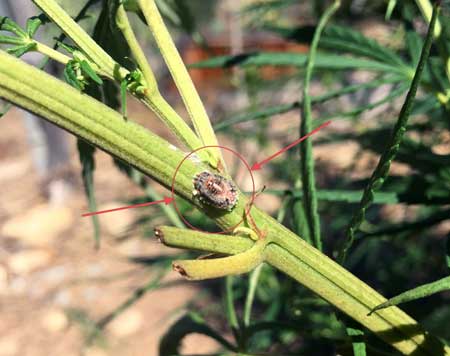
x=252 y=284
x=152 y=96
x=183 y=81
x=173 y=121
x=124 y=25
x=382 y=169
x=307 y=160
x=107 y=66
x=229 y=304
x=219 y=267
x=51 y=53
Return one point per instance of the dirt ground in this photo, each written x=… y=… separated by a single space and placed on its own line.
x=52 y=280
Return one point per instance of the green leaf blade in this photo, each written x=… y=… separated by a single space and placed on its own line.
x=170 y=343
x=34 y=23
x=19 y=51
x=11 y=40
x=323 y=61
x=422 y=291
x=357 y=339
x=87 y=69
x=6 y=24
x=86 y=155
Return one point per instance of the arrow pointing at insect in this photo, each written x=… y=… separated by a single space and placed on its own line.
x=257 y=166
x=166 y=200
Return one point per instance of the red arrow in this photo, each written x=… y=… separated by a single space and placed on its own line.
x=166 y=200
x=258 y=165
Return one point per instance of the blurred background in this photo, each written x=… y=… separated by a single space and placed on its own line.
x=59 y=295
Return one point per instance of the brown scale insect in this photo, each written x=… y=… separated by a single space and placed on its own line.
x=215 y=190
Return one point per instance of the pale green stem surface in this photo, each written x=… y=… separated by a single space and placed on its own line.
x=84 y=116
x=152 y=96
x=183 y=81
x=107 y=66
x=51 y=53
x=124 y=26
x=255 y=274
x=220 y=267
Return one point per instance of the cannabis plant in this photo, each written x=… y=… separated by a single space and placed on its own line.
x=112 y=61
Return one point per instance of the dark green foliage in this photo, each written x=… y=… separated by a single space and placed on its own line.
x=86 y=154
x=89 y=72
x=178 y=13
x=392 y=255
x=382 y=170
x=78 y=72
x=22 y=40
x=343 y=39
x=348 y=196
x=323 y=61
x=188 y=324
x=268 y=112
x=108 y=36
x=357 y=337
x=8 y=25
x=447 y=251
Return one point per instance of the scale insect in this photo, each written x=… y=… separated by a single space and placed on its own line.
x=215 y=190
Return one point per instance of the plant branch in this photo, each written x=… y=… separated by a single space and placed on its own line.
x=427 y=12
x=307 y=160
x=220 y=267
x=124 y=26
x=183 y=81
x=152 y=97
x=253 y=283
x=107 y=66
x=51 y=53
